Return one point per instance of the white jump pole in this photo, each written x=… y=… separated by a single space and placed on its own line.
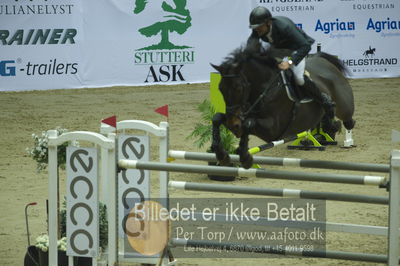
x=281 y=161
x=260 y=173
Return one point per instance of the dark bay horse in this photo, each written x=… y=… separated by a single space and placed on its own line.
x=257 y=102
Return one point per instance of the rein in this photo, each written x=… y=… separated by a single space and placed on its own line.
x=231 y=108
x=243 y=116
x=261 y=96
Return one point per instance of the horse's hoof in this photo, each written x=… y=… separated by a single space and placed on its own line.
x=226 y=160
x=247 y=162
x=220 y=177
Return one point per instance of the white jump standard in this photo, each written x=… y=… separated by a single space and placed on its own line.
x=110 y=162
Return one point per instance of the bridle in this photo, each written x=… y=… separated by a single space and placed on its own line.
x=246 y=85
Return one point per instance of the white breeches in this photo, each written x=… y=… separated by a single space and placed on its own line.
x=298 y=72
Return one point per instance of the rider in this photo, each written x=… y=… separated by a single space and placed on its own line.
x=281 y=32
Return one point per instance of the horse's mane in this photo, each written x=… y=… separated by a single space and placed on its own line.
x=246 y=53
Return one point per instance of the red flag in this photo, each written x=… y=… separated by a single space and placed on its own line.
x=111 y=121
x=163 y=110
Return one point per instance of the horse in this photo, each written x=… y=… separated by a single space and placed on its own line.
x=257 y=103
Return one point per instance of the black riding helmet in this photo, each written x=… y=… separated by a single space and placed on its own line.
x=258 y=16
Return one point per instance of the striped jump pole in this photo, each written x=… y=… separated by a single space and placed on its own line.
x=272 y=144
x=294 y=162
x=287 y=193
x=262 y=173
x=329 y=254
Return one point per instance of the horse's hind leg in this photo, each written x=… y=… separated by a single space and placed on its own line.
x=330 y=126
x=349 y=125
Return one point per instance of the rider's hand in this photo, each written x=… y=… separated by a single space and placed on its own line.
x=284 y=65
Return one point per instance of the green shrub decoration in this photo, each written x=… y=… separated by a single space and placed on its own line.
x=202 y=132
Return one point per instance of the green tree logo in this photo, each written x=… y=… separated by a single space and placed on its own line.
x=178 y=20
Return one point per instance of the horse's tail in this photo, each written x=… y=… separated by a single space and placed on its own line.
x=335 y=61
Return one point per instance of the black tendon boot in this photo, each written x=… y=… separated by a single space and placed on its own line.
x=320 y=97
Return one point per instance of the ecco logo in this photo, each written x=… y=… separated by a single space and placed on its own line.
x=6 y=69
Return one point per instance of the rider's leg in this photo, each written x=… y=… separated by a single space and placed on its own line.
x=312 y=90
x=320 y=97
x=298 y=71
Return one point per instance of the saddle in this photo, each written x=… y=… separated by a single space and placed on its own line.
x=293 y=91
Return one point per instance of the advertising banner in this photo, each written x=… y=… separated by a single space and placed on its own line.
x=40 y=44
x=364 y=34
x=48 y=44
x=159 y=42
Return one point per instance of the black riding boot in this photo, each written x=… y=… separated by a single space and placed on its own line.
x=320 y=97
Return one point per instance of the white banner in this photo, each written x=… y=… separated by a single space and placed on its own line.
x=160 y=42
x=40 y=44
x=364 y=34
x=52 y=44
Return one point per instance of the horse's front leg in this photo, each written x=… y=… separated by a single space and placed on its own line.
x=216 y=144
x=245 y=157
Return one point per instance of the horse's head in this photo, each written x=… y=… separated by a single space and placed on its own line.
x=235 y=88
x=241 y=73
